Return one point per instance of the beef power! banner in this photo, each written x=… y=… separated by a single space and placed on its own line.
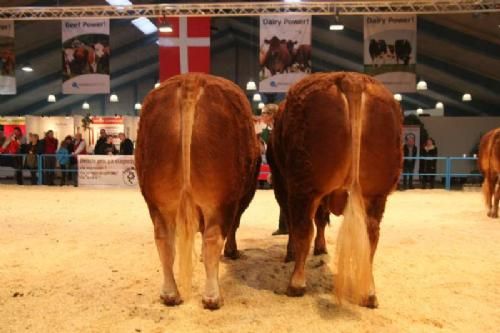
x=85 y=55
x=285 y=51
x=390 y=50
x=7 y=58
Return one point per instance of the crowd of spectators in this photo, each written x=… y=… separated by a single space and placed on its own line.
x=25 y=154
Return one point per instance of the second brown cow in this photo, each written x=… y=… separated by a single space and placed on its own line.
x=337 y=144
x=489 y=164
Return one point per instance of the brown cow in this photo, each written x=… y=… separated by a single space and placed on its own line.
x=197 y=160
x=277 y=59
x=339 y=133
x=302 y=57
x=489 y=164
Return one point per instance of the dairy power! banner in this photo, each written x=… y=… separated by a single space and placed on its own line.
x=390 y=50
x=113 y=170
x=285 y=51
x=85 y=55
x=7 y=58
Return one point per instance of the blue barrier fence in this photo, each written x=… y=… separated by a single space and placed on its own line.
x=47 y=164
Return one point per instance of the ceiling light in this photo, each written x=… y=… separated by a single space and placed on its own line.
x=466 y=97
x=27 y=68
x=261 y=105
x=51 y=98
x=113 y=98
x=165 y=27
x=420 y=111
x=251 y=85
x=439 y=106
x=336 y=25
x=422 y=85
x=256 y=97
x=157 y=85
x=145 y=25
x=119 y=2
x=85 y=106
x=137 y=106
x=291 y=1
x=398 y=97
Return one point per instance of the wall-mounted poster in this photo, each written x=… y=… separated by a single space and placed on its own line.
x=390 y=50
x=85 y=56
x=285 y=51
x=7 y=58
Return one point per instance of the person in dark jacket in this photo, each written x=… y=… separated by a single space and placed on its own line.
x=109 y=147
x=49 y=144
x=70 y=147
x=100 y=146
x=126 y=145
x=429 y=166
x=33 y=150
x=409 y=150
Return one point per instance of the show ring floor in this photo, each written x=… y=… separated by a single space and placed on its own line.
x=84 y=260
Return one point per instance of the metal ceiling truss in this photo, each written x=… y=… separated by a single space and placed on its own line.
x=252 y=9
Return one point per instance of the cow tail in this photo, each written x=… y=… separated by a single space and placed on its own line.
x=186 y=218
x=354 y=273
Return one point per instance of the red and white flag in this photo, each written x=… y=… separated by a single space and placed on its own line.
x=186 y=48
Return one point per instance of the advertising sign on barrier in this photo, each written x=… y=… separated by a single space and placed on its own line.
x=112 y=170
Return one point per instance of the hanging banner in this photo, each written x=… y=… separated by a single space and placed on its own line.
x=85 y=55
x=98 y=170
x=285 y=51
x=186 y=48
x=390 y=50
x=7 y=58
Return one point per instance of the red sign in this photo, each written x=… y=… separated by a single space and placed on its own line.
x=186 y=48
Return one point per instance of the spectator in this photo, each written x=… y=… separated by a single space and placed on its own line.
x=100 y=146
x=33 y=150
x=63 y=158
x=267 y=118
x=126 y=145
x=80 y=148
x=12 y=146
x=109 y=147
x=70 y=147
x=49 y=162
x=410 y=150
x=429 y=166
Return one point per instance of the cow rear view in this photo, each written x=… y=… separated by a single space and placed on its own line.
x=338 y=141
x=489 y=164
x=197 y=160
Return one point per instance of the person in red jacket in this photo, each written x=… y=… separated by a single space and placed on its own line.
x=49 y=144
x=12 y=146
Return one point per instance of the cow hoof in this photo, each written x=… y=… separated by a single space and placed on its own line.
x=295 y=291
x=171 y=300
x=370 y=302
x=232 y=254
x=212 y=303
x=320 y=251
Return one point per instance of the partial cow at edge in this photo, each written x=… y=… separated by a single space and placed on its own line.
x=336 y=146
x=197 y=161
x=489 y=164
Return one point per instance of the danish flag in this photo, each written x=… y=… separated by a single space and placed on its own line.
x=186 y=48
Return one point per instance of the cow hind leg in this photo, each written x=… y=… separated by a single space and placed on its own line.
x=231 y=248
x=164 y=230
x=375 y=207
x=301 y=233
x=488 y=188
x=496 y=198
x=213 y=242
x=321 y=219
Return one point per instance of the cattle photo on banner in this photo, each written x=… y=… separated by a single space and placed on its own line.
x=186 y=48
x=285 y=51
x=390 y=50
x=7 y=58
x=85 y=56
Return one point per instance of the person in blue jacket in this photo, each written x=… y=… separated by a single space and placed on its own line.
x=63 y=158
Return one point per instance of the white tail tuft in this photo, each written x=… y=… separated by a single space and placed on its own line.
x=354 y=272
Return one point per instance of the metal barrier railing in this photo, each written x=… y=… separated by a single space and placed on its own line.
x=47 y=165
x=448 y=172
